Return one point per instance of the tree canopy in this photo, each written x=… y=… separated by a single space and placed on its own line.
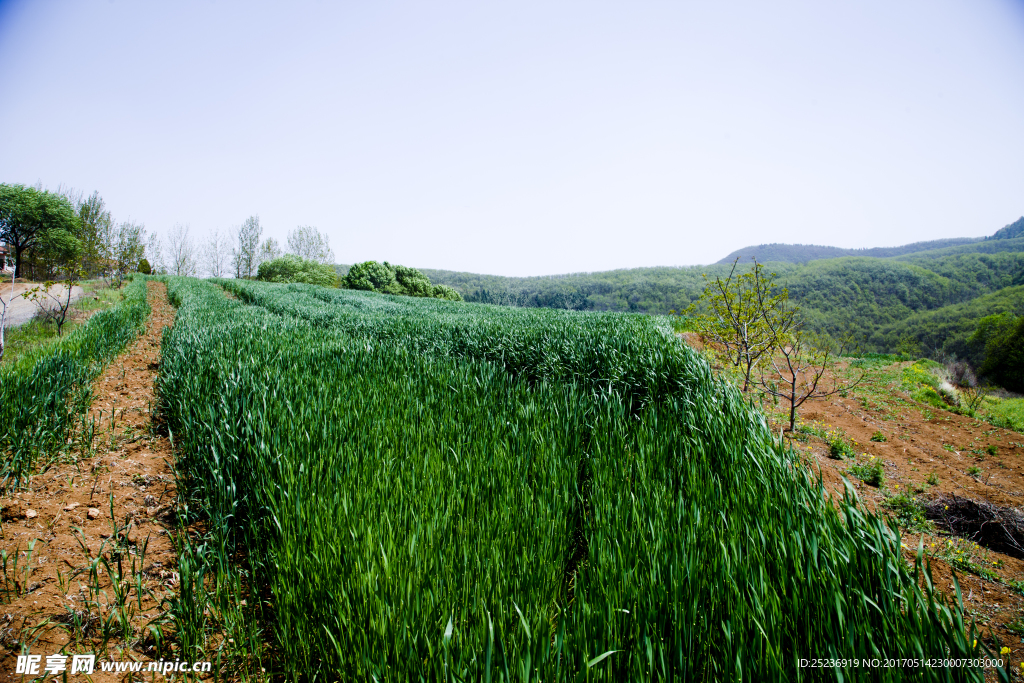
x=292 y=268
x=385 y=278
x=33 y=220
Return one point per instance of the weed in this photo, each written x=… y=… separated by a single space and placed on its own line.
x=871 y=472
x=974 y=470
x=991 y=449
x=908 y=512
x=878 y=437
x=932 y=479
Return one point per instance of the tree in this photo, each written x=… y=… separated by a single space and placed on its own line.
x=216 y=252
x=154 y=253
x=291 y=268
x=54 y=298
x=95 y=221
x=737 y=310
x=385 y=278
x=370 y=276
x=308 y=243
x=181 y=251
x=269 y=251
x=245 y=257
x=30 y=217
x=121 y=247
x=1004 y=354
x=798 y=360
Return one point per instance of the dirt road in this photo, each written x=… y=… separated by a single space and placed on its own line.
x=21 y=310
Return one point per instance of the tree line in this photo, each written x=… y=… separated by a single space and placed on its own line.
x=62 y=234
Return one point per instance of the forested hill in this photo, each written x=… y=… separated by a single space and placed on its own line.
x=873 y=295
x=802 y=253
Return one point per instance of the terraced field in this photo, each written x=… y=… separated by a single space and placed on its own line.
x=386 y=488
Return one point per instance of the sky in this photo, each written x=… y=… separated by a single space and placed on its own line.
x=526 y=138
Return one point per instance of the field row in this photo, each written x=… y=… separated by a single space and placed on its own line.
x=414 y=488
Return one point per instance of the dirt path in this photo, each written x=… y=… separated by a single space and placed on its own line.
x=20 y=310
x=102 y=561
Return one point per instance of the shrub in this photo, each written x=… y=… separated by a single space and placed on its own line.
x=840 y=449
x=385 y=278
x=291 y=268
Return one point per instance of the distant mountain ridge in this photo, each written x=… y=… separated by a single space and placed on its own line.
x=802 y=253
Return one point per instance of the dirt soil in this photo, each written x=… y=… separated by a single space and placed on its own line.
x=922 y=443
x=102 y=560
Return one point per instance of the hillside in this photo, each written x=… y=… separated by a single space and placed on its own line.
x=877 y=296
x=802 y=253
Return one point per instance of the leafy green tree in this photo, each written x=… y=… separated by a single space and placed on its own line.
x=446 y=292
x=144 y=267
x=32 y=219
x=385 y=278
x=413 y=282
x=1004 y=350
x=94 y=223
x=291 y=268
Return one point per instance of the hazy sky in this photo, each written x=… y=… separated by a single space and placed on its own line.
x=525 y=138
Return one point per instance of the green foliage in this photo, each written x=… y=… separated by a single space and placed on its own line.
x=291 y=268
x=503 y=492
x=144 y=267
x=1004 y=353
x=1015 y=229
x=802 y=253
x=38 y=224
x=908 y=512
x=871 y=472
x=385 y=278
x=878 y=437
x=743 y=314
x=44 y=391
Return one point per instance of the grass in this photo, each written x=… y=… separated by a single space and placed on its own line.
x=38 y=331
x=46 y=388
x=427 y=490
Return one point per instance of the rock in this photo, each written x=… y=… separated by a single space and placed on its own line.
x=31 y=514
x=150 y=501
x=71 y=506
x=93 y=513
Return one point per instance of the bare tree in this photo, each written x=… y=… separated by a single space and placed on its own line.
x=307 y=242
x=216 y=252
x=799 y=361
x=269 y=251
x=154 y=254
x=245 y=256
x=121 y=247
x=181 y=251
x=734 y=326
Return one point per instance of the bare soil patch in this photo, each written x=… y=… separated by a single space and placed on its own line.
x=102 y=560
x=936 y=454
